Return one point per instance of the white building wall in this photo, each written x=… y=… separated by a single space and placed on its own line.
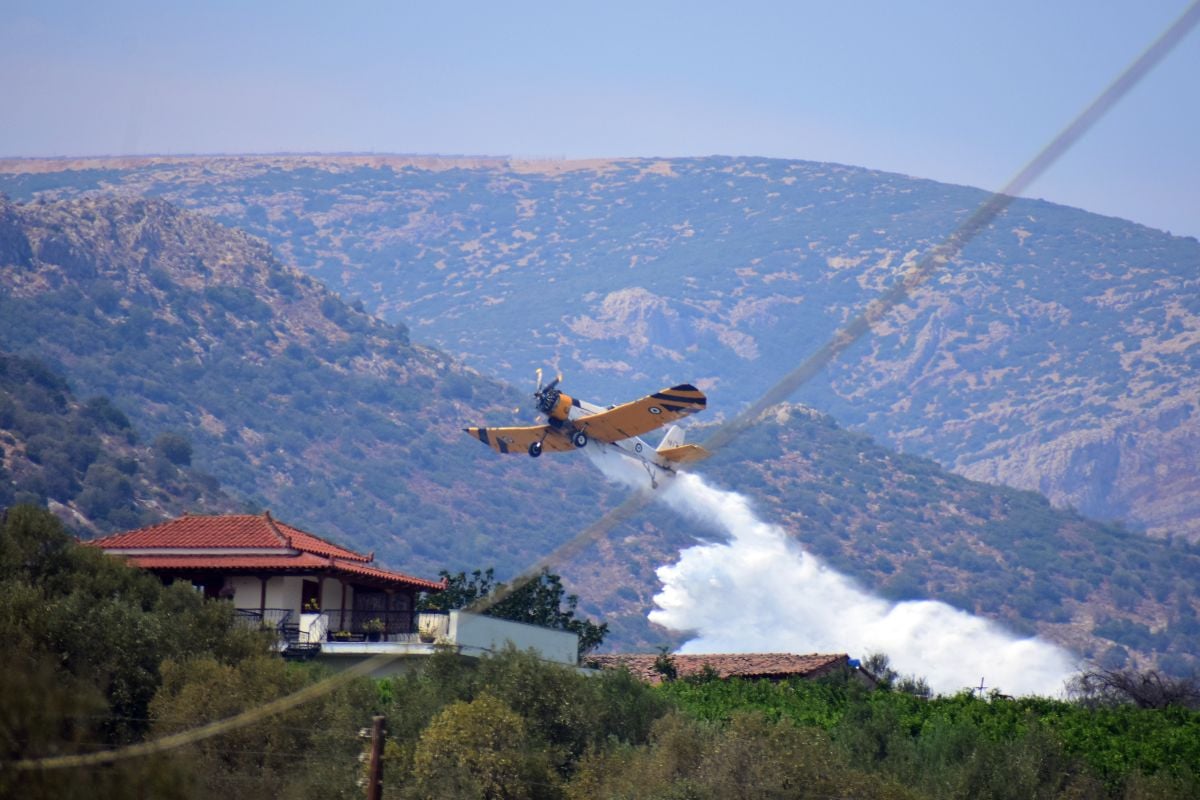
x=247 y=592
x=283 y=591
x=471 y=631
x=331 y=594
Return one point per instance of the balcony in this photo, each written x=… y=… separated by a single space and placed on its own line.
x=469 y=634
x=357 y=625
x=345 y=635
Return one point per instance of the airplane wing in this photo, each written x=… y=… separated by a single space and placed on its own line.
x=643 y=416
x=517 y=440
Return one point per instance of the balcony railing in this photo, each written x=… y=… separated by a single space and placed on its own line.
x=356 y=625
x=352 y=625
x=273 y=618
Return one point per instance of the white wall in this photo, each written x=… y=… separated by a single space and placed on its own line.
x=488 y=633
x=331 y=594
x=246 y=592
x=283 y=591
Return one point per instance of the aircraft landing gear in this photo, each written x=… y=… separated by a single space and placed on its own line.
x=650 y=472
x=579 y=439
x=535 y=449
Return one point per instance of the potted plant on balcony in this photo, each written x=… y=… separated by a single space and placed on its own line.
x=427 y=633
x=342 y=636
x=374 y=629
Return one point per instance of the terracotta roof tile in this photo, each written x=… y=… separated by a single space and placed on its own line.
x=230 y=530
x=727 y=665
x=374 y=572
x=233 y=530
x=303 y=540
x=304 y=562
x=246 y=531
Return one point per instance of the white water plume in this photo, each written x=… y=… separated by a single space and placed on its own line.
x=758 y=591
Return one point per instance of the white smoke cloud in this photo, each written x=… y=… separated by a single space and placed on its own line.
x=758 y=591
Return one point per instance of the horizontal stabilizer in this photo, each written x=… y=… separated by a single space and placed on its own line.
x=684 y=453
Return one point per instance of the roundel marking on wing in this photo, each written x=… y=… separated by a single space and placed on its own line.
x=638 y=447
x=654 y=410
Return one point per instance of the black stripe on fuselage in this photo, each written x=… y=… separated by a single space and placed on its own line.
x=698 y=401
x=483 y=436
x=503 y=445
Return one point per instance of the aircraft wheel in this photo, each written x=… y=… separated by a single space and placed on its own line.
x=535 y=449
x=579 y=439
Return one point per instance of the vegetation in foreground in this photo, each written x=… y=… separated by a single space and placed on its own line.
x=99 y=656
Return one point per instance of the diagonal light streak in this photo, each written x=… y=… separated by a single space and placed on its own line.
x=209 y=730
x=939 y=256
x=933 y=261
x=572 y=547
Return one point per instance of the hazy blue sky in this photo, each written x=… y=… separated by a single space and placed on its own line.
x=960 y=91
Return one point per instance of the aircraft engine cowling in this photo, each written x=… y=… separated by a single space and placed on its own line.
x=562 y=407
x=554 y=404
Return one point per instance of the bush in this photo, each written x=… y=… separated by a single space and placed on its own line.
x=104 y=491
x=175 y=448
x=480 y=749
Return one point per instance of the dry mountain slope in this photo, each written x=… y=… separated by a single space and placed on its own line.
x=1060 y=353
x=335 y=421
x=85 y=461
x=295 y=400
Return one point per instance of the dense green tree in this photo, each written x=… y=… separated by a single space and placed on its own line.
x=541 y=600
x=309 y=751
x=84 y=639
x=480 y=750
x=970 y=746
x=100 y=620
x=746 y=757
x=174 y=447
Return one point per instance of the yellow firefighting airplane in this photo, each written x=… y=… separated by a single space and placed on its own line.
x=572 y=423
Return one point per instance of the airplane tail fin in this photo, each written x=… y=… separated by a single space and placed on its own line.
x=672 y=448
x=674 y=438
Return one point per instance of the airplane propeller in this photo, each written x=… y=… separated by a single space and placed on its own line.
x=546 y=396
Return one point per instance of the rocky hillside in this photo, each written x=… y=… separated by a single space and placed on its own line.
x=334 y=420
x=298 y=402
x=85 y=461
x=1059 y=353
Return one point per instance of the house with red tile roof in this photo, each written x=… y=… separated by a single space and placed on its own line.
x=324 y=599
x=276 y=573
x=751 y=666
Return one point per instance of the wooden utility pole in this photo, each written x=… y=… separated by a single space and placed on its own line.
x=375 y=768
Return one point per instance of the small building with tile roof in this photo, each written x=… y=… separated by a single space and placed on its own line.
x=759 y=666
x=277 y=574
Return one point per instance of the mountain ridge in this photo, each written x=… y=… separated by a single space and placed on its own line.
x=343 y=426
x=1058 y=353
